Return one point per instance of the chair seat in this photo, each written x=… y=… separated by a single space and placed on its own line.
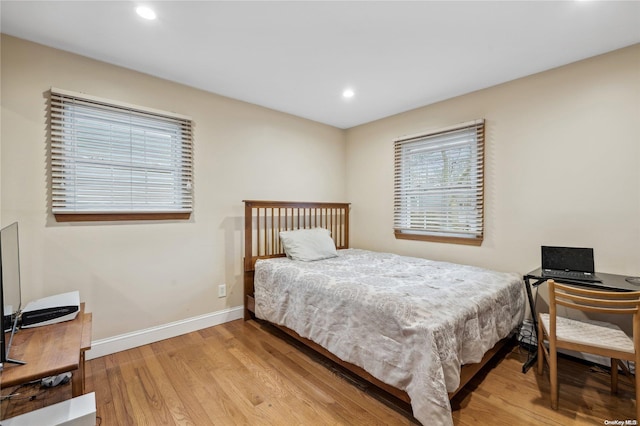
x=594 y=333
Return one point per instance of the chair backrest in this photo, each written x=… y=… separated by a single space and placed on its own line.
x=600 y=301
x=588 y=300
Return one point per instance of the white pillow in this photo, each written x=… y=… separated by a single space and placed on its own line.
x=308 y=244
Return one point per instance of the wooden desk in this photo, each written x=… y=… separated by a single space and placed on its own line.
x=50 y=350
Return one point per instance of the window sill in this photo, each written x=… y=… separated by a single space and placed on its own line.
x=439 y=239
x=106 y=217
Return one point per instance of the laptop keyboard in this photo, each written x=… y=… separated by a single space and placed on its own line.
x=570 y=275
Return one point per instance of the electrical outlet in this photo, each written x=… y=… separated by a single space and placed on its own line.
x=222 y=290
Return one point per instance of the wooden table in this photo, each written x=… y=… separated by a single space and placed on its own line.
x=50 y=350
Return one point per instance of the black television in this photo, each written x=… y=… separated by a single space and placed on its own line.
x=10 y=293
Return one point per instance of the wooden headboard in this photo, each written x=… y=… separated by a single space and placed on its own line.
x=263 y=221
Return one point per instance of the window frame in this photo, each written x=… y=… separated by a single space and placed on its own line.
x=441 y=229
x=151 y=164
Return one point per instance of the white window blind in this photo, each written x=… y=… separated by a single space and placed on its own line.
x=111 y=158
x=439 y=185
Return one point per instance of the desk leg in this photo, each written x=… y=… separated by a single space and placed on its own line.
x=533 y=357
x=534 y=352
x=76 y=383
x=77 y=380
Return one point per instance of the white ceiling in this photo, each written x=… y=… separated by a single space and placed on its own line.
x=298 y=56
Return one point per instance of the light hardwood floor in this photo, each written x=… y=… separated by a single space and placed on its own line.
x=243 y=373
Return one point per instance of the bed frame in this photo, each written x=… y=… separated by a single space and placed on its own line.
x=263 y=221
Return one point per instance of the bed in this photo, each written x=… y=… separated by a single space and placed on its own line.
x=416 y=328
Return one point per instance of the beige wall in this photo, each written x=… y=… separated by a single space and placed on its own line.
x=136 y=275
x=562 y=167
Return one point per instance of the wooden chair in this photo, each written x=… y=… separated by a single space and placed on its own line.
x=594 y=337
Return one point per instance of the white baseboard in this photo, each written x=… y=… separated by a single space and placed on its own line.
x=600 y=360
x=137 y=338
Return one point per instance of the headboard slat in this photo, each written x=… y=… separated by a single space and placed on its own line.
x=264 y=220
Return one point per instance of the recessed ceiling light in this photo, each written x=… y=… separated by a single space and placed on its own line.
x=348 y=93
x=146 y=12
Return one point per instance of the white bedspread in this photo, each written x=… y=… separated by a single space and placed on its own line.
x=409 y=322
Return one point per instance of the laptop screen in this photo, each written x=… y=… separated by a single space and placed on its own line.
x=567 y=258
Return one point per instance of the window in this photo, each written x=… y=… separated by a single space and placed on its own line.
x=439 y=185
x=111 y=161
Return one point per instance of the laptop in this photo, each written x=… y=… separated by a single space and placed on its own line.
x=568 y=263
